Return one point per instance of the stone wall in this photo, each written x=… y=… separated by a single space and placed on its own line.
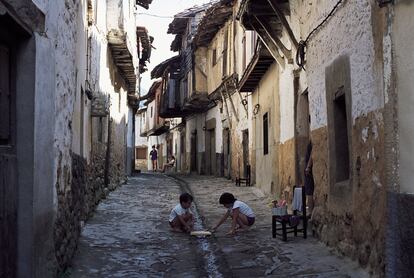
x=358 y=232
x=349 y=215
x=117 y=154
x=61 y=28
x=78 y=202
x=96 y=177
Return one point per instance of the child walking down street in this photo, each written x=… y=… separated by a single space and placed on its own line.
x=242 y=215
x=181 y=219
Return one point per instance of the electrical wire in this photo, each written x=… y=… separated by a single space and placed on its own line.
x=165 y=16
x=300 y=54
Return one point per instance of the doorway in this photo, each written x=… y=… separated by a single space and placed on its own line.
x=226 y=152
x=211 y=151
x=245 y=143
x=193 y=151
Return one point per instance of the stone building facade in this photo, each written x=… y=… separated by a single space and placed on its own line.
x=342 y=85
x=68 y=77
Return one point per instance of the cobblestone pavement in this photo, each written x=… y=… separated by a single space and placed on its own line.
x=129 y=236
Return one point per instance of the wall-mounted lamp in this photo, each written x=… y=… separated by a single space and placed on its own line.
x=204 y=128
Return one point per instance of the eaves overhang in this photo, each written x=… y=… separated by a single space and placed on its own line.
x=158 y=130
x=146 y=43
x=256 y=69
x=213 y=20
x=179 y=25
x=122 y=58
x=159 y=70
x=197 y=103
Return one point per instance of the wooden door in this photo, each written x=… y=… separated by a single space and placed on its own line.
x=213 y=152
x=245 y=143
x=194 y=152
x=8 y=163
x=226 y=152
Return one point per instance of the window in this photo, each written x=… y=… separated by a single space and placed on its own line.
x=141 y=152
x=341 y=137
x=151 y=111
x=265 y=134
x=214 y=57
x=339 y=103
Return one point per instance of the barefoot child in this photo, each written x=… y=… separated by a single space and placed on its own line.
x=181 y=219
x=242 y=215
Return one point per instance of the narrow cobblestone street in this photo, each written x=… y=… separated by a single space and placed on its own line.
x=129 y=237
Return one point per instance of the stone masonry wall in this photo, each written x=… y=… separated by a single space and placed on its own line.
x=358 y=233
x=95 y=189
x=353 y=224
x=118 y=155
x=62 y=30
x=71 y=211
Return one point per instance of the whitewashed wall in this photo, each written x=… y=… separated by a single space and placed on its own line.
x=333 y=40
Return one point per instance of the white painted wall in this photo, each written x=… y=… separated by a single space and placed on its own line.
x=265 y=95
x=196 y=122
x=215 y=113
x=287 y=103
x=404 y=66
x=333 y=40
x=151 y=114
x=81 y=142
x=139 y=127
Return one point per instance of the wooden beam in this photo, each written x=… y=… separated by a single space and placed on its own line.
x=281 y=16
x=266 y=27
x=268 y=42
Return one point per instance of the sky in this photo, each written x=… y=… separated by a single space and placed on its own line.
x=157 y=27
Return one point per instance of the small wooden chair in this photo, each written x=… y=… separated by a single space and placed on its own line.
x=284 y=220
x=246 y=180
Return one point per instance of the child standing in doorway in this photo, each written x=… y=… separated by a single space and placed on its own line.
x=181 y=219
x=241 y=214
x=154 y=158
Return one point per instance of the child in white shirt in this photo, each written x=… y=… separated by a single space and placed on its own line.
x=240 y=212
x=181 y=219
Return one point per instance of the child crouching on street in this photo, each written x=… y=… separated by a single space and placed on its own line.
x=181 y=219
x=242 y=215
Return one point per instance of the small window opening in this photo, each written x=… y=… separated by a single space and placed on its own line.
x=341 y=137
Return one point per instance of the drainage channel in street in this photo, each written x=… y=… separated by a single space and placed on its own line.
x=211 y=264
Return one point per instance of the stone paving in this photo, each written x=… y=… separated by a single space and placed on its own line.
x=129 y=236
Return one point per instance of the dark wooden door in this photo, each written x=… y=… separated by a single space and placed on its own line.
x=194 y=152
x=213 y=152
x=245 y=143
x=8 y=163
x=226 y=152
